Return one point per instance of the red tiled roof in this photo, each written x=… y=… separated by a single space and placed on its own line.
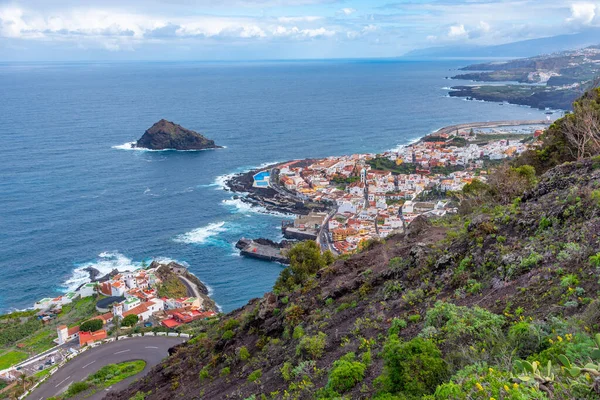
x=89 y=337
x=170 y=323
x=105 y=317
x=142 y=308
x=72 y=331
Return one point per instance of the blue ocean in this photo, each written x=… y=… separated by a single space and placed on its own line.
x=72 y=195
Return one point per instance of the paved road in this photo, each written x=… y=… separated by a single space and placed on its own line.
x=150 y=349
x=192 y=289
x=323 y=235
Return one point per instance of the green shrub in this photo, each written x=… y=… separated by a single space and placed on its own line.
x=255 y=375
x=391 y=289
x=545 y=223
x=526 y=338
x=397 y=325
x=204 y=373
x=286 y=371
x=531 y=260
x=595 y=196
x=76 y=388
x=230 y=324
x=414 y=318
x=569 y=280
x=243 y=353
x=463 y=325
x=595 y=260
x=478 y=382
x=91 y=325
x=346 y=373
x=298 y=332
x=225 y=371
x=228 y=335
x=412 y=368
x=312 y=346
x=473 y=287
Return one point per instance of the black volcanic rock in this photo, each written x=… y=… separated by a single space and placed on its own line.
x=165 y=135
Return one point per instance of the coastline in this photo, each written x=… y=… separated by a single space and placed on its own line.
x=277 y=200
x=283 y=201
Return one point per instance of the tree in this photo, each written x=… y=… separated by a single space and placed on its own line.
x=130 y=320
x=582 y=127
x=91 y=325
x=305 y=260
x=507 y=183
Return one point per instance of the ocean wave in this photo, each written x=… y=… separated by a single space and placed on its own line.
x=105 y=263
x=201 y=235
x=221 y=180
x=243 y=207
x=402 y=146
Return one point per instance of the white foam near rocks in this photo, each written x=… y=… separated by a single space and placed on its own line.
x=202 y=234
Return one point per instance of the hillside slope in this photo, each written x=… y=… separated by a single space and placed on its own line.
x=525 y=270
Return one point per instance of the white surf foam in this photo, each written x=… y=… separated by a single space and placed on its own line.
x=201 y=235
x=106 y=262
x=402 y=146
x=243 y=207
x=131 y=146
x=221 y=180
x=127 y=146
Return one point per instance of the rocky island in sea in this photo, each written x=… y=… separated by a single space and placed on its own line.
x=167 y=135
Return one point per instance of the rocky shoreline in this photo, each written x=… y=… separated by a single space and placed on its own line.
x=167 y=135
x=274 y=200
x=535 y=98
x=178 y=269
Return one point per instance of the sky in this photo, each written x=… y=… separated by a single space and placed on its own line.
x=79 y=30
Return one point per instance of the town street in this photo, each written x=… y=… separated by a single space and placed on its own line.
x=150 y=349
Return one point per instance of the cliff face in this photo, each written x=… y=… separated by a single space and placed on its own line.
x=526 y=264
x=165 y=135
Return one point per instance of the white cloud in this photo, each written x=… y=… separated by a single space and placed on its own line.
x=484 y=26
x=347 y=11
x=583 y=13
x=116 y=30
x=457 y=32
x=296 y=32
x=295 y=20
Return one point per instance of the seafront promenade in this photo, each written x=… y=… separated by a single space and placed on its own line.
x=490 y=124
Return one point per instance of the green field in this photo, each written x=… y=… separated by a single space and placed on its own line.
x=11 y=358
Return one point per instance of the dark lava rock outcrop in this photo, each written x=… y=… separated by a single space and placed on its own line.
x=165 y=135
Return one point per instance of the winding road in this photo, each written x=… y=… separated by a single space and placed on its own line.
x=147 y=348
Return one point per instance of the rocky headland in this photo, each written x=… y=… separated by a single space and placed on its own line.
x=274 y=198
x=167 y=135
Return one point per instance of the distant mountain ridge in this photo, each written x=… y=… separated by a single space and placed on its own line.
x=525 y=48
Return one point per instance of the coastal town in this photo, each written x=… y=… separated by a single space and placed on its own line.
x=370 y=196
x=341 y=202
x=154 y=300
